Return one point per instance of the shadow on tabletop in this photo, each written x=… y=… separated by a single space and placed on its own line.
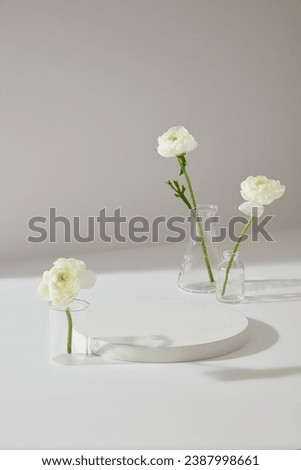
x=227 y=375
x=261 y=337
x=255 y=290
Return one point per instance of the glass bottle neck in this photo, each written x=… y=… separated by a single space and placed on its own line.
x=227 y=255
x=205 y=210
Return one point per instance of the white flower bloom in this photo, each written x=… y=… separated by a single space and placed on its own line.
x=259 y=191
x=61 y=284
x=176 y=141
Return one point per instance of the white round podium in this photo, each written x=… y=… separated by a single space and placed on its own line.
x=160 y=330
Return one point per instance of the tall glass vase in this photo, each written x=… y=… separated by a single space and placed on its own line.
x=202 y=255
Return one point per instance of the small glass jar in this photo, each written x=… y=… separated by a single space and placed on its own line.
x=230 y=278
x=63 y=347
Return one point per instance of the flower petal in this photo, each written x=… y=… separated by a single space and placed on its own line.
x=87 y=279
x=250 y=208
x=43 y=291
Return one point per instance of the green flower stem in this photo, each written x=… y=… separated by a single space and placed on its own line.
x=182 y=163
x=179 y=192
x=189 y=186
x=69 y=334
x=243 y=232
x=186 y=202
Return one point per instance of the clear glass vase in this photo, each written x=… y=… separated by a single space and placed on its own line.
x=230 y=282
x=200 y=259
x=62 y=347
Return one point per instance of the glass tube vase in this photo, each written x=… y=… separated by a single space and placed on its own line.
x=62 y=347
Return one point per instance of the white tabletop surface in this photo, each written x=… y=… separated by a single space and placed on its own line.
x=246 y=400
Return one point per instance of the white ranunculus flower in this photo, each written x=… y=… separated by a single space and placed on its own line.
x=260 y=189
x=61 y=284
x=176 y=141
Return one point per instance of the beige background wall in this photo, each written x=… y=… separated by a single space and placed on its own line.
x=87 y=86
